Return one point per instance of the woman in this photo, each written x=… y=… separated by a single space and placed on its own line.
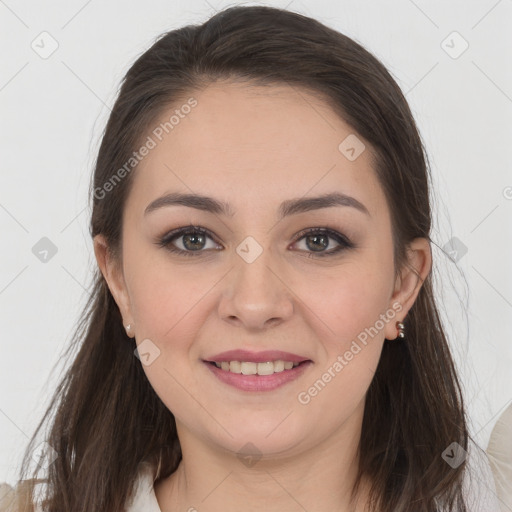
x=262 y=327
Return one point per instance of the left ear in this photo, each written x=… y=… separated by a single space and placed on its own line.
x=409 y=282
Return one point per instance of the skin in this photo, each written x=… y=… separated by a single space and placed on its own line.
x=255 y=147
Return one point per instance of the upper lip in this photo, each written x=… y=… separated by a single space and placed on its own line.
x=256 y=357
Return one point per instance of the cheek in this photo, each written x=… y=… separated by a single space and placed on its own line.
x=164 y=297
x=348 y=299
x=352 y=334
x=168 y=305
x=347 y=308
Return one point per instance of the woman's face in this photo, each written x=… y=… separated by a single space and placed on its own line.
x=254 y=281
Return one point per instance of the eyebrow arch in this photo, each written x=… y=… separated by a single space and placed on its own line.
x=288 y=207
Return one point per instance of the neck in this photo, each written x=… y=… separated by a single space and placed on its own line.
x=209 y=480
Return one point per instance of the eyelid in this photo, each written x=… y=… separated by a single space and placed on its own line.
x=166 y=240
x=343 y=241
x=333 y=233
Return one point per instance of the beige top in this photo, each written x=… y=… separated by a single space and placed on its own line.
x=499 y=452
x=144 y=499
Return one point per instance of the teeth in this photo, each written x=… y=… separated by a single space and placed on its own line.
x=250 y=368
x=235 y=367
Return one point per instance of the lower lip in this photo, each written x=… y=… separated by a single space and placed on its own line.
x=258 y=382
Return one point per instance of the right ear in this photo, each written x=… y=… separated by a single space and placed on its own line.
x=114 y=277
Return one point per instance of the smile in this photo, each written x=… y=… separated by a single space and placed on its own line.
x=257 y=377
x=250 y=368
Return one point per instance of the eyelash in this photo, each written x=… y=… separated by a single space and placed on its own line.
x=165 y=242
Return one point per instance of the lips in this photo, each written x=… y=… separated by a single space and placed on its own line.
x=256 y=357
x=258 y=383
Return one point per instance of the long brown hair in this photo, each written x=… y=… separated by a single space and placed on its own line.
x=106 y=418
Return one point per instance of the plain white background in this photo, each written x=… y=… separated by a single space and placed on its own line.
x=53 y=111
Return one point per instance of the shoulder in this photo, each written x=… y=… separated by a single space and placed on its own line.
x=479 y=483
x=19 y=497
x=144 y=497
x=499 y=452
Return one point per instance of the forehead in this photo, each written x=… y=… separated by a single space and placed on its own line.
x=249 y=144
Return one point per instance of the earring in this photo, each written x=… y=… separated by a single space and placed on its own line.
x=401 y=329
x=128 y=328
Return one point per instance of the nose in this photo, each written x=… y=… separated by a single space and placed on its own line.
x=256 y=295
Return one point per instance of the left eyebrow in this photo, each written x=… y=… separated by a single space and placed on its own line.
x=288 y=207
